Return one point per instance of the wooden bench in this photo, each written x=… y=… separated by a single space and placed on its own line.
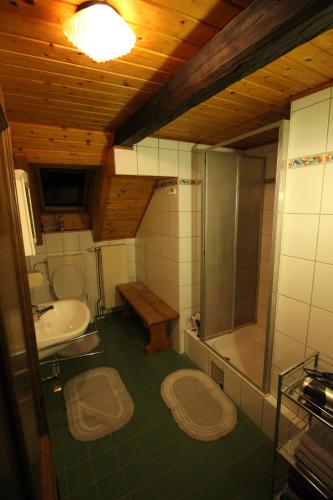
x=152 y=310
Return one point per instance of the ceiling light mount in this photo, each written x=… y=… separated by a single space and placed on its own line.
x=99 y=31
x=89 y=3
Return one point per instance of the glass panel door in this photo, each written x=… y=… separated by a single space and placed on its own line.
x=220 y=187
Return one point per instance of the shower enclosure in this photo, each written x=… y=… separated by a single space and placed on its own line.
x=233 y=193
x=240 y=258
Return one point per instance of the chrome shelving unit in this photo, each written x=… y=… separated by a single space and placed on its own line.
x=301 y=411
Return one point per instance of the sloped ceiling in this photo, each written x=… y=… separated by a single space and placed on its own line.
x=46 y=81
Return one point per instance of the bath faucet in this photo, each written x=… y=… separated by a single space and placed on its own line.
x=39 y=311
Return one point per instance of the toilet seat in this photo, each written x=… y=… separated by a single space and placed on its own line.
x=68 y=282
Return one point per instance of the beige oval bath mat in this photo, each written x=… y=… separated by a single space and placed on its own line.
x=97 y=404
x=198 y=405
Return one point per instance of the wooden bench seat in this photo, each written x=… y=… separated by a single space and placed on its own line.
x=152 y=310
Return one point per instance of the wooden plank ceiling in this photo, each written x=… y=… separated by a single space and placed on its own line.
x=47 y=81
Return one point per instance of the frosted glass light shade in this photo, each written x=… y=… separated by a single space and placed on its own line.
x=97 y=30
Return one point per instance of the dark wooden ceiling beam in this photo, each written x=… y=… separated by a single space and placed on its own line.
x=259 y=35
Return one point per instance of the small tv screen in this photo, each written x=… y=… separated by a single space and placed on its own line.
x=63 y=187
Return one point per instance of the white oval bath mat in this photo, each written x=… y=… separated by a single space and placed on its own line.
x=97 y=404
x=198 y=405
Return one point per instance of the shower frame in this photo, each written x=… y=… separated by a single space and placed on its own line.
x=281 y=170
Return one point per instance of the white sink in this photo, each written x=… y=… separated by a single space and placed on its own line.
x=68 y=319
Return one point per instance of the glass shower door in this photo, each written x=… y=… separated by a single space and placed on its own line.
x=219 y=243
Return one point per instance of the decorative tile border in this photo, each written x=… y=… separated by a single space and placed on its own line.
x=170 y=182
x=190 y=182
x=175 y=182
x=314 y=159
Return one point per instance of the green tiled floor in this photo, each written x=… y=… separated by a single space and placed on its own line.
x=150 y=458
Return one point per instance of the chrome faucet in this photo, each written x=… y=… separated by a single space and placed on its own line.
x=39 y=311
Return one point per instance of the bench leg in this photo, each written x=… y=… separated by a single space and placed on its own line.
x=158 y=338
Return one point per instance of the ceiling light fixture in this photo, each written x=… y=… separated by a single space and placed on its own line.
x=99 y=31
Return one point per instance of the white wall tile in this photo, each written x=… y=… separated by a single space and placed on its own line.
x=303 y=189
x=299 y=235
x=168 y=144
x=329 y=146
x=325 y=239
x=295 y=279
x=85 y=240
x=150 y=142
x=173 y=224
x=308 y=193
x=173 y=198
x=251 y=403
x=187 y=202
x=311 y=99
x=196 y=351
x=287 y=351
x=186 y=296
x=308 y=130
x=186 y=146
x=54 y=243
x=322 y=295
x=131 y=269
x=177 y=338
x=185 y=249
x=43 y=294
x=185 y=165
x=232 y=385
x=274 y=379
x=92 y=292
x=147 y=161
x=131 y=253
x=292 y=318
x=90 y=263
x=186 y=273
x=185 y=225
x=320 y=337
x=172 y=248
x=71 y=241
x=268 y=419
x=41 y=249
x=168 y=162
x=327 y=199
x=126 y=161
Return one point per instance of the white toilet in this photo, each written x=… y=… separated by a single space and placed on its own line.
x=67 y=276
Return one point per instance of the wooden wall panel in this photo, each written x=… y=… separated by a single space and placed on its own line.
x=47 y=144
x=123 y=201
x=47 y=81
x=73 y=221
x=118 y=204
